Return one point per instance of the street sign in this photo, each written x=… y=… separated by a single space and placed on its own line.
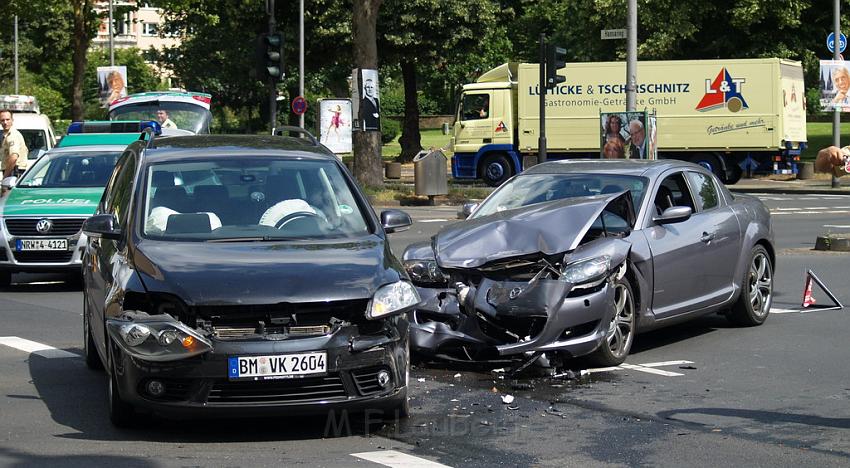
x=299 y=105
x=614 y=34
x=830 y=42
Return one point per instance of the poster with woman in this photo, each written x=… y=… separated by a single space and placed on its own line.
x=112 y=82
x=834 y=85
x=335 y=124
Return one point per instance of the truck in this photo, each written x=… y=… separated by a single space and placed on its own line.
x=726 y=115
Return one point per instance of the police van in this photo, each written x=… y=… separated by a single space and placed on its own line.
x=34 y=126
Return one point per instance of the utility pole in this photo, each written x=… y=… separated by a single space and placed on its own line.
x=631 y=58
x=16 y=54
x=272 y=80
x=111 y=38
x=541 y=91
x=301 y=57
x=836 y=55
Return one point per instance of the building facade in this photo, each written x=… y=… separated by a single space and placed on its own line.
x=140 y=28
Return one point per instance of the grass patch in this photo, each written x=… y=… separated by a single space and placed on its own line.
x=820 y=136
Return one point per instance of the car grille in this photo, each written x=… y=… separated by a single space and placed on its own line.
x=278 y=391
x=367 y=380
x=61 y=226
x=305 y=314
x=59 y=256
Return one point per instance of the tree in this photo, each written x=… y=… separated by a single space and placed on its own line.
x=85 y=24
x=470 y=37
x=367 y=145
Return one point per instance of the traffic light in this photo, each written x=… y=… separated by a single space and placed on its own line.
x=270 y=57
x=556 y=58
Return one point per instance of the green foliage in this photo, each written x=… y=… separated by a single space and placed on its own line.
x=390 y=128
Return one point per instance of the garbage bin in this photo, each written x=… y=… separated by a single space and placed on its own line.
x=429 y=174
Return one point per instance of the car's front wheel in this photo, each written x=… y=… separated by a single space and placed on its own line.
x=753 y=304
x=121 y=413
x=621 y=330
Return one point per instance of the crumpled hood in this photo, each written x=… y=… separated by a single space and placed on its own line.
x=208 y=273
x=547 y=228
x=66 y=201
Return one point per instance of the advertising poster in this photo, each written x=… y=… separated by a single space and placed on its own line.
x=335 y=124
x=624 y=135
x=112 y=82
x=366 y=98
x=834 y=85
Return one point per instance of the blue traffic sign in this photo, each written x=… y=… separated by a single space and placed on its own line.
x=830 y=42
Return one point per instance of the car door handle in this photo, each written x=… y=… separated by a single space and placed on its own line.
x=707 y=237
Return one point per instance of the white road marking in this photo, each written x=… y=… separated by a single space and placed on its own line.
x=435 y=220
x=774 y=310
x=394 y=458
x=33 y=347
x=648 y=367
x=837 y=226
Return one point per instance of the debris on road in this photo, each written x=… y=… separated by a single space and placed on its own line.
x=507 y=399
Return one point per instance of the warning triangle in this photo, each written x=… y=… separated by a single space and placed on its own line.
x=809 y=301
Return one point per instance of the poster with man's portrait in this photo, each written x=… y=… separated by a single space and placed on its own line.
x=366 y=99
x=335 y=124
x=112 y=82
x=834 y=85
x=624 y=135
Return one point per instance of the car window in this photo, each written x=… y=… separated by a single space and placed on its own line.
x=118 y=200
x=475 y=106
x=34 y=139
x=226 y=199
x=673 y=191
x=705 y=191
x=528 y=189
x=85 y=169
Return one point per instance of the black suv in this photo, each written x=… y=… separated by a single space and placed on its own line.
x=243 y=275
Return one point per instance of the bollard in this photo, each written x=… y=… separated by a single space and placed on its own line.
x=807 y=170
x=393 y=170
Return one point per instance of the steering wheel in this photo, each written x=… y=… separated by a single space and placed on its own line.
x=293 y=216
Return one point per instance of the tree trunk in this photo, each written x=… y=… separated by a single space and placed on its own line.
x=368 y=167
x=411 y=139
x=80 y=44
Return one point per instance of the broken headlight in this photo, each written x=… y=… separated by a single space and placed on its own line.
x=586 y=273
x=157 y=338
x=425 y=271
x=392 y=298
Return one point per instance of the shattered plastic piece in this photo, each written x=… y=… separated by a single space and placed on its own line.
x=687 y=367
x=584 y=372
x=500 y=370
x=494 y=390
x=513 y=407
x=522 y=386
x=420 y=379
x=507 y=399
x=454 y=400
x=457 y=376
x=485 y=423
x=568 y=374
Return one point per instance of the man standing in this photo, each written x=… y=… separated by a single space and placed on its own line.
x=14 y=148
x=637 y=147
x=164 y=121
x=370 y=109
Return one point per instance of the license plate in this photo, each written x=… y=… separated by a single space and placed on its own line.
x=22 y=245
x=281 y=366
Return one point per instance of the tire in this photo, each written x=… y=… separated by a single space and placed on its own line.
x=121 y=413
x=735 y=173
x=5 y=279
x=93 y=360
x=753 y=304
x=710 y=162
x=621 y=331
x=495 y=169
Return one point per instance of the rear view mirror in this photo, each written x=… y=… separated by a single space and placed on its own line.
x=395 y=221
x=102 y=225
x=466 y=210
x=674 y=214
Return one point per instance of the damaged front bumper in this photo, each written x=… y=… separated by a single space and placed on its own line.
x=487 y=323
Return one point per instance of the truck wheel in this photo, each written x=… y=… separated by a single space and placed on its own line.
x=734 y=175
x=495 y=169
x=710 y=162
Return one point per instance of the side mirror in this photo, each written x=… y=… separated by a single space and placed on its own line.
x=674 y=214
x=102 y=225
x=9 y=182
x=395 y=221
x=466 y=210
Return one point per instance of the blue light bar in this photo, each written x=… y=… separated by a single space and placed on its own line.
x=114 y=126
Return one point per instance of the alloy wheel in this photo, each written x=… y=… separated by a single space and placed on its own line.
x=621 y=330
x=760 y=284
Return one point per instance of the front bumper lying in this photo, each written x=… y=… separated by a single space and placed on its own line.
x=489 y=323
x=199 y=386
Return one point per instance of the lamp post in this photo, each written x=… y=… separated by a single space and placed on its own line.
x=111 y=38
x=836 y=55
x=631 y=58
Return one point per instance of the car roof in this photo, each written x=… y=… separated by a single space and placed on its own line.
x=641 y=167
x=29 y=120
x=203 y=146
x=97 y=139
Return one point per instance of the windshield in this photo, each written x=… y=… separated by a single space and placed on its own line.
x=249 y=199
x=35 y=140
x=538 y=188
x=77 y=169
x=182 y=115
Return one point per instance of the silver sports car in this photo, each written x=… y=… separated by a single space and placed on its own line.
x=574 y=258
